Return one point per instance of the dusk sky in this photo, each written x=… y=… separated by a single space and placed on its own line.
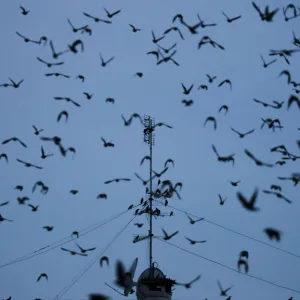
x=157 y=93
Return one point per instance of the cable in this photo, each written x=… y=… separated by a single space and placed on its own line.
x=60 y=243
x=76 y=278
x=236 y=232
x=229 y=268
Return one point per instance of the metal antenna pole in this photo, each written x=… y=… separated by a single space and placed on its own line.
x=149 y=139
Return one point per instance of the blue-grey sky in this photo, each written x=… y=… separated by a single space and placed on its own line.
x=159 y=94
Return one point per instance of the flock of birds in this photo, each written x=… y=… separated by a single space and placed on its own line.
x=166 y=189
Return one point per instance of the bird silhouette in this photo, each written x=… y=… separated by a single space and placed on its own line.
x=67 y=99
x=211 y=119
x=225 y=81
x=97 y=20
x=223 y=292
x=24 y=11
x=242 y=135
x=48 y=64
x=193 y=242
x=111 y=15
x=192 y=221
x=44 y=156
x=48 y=228
x=265 y=64
x=293 y=99
x=258 y=162
x=4 y=155
x=72 y=252
x=105 y=63
x=63 y=113
x=117 y=180
x=224 y=107
x=154 y=39
x=134 y=29
x=107 y=144
x=242 y=262
x=168 y=237
x=74 y=45
x=104 y=259
x=249 y=204
x=267 y=15
x=43 y=275
x=74 y=29
x=82 y=250
x=273 y=234
x=222 y=201
x=28 y=165
x=229 y=20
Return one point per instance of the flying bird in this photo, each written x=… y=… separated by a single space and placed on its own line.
x=249 y=204
x=14 y=139
x=24 y=11
x=273 y=234
x=229 y=20
x=111 y=15
x=43 y=275
x=211 y=119
x=225 y=81
x=104 y=259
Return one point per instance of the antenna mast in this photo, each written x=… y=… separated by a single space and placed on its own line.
x=149 y=139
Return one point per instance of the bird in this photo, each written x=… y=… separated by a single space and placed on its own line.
x=168 y=237
x=193 y=242
x=82 y=250
x=67 y=99
x=147 y=157
x=265 y=65
x=242 y=135
x=76 y=29
x=48 y=228
x=211 y=119
x=28 y=165
x=81 y=77
x=74 y=192
x=43 y=275
x=249 y=204
x=222 y=201
x=105 y=63
x=33 y=208
x=223 y=292
x=156 y=40
x=276 y=187
x=48 y=64
x=192 y=221
x=73 y=46
x=24 y=11
x=287 y=74
x=187 y=102
x=37 y=131
x=97 y=20
x=14 y=139
x=234 y=183
x=19 y=187
x=225 y=81
x=117 y=180
x=111 y=15
x=63 y=113
x=211 y=78
x=267 y=15
x=4 y=203
x=14 y=84
x=134 y=29
x=169 y=160
x=102 y=196
x=224 y=107
x=258 y=162
x=107 y=144
x=4 y=155
x=273 y=234
x=188 y=285
x=110 y=100
x=4 y=219
x=44 y=156
x=229 y=20
x=293 y=99
x=104 y=259
x=72 y=252
x=176 y=29
x=139 y=74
